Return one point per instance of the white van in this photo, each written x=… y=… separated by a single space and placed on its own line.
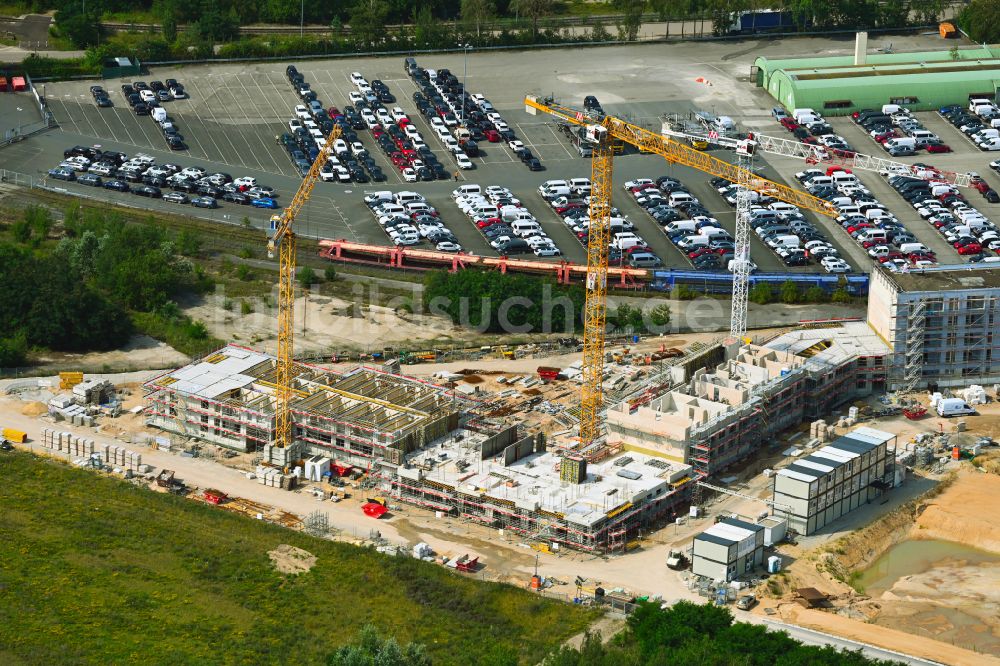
x=907 y=248
x=901 y=142
x=785 y=240
x=713 y=232
x=979 y=101
x=984 y=134
x=159 y=114
x=466 y=190
x=844 y=178
x=889 y=109
x=625 y=241
x=374 y=198
x=954 y=407
x=552 y=183
x=819 y=181
x=799 y=114
x=485 y=211
x=525 y=228
x=580 y=185
x=555 y=192
x=691 y=242
x=680 y=225
x=389 y=209
x=873 y=236
x=408 y=197
x=676 y=198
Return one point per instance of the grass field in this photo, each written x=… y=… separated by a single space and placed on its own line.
x=95 y=570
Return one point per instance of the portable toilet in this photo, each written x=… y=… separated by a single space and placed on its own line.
x=773 y=564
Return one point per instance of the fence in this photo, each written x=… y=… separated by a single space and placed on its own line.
x=22 y=131
x=16 y=178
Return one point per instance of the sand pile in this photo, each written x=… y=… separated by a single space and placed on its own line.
x=34 y=409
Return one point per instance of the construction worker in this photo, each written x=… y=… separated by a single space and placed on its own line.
x=456 y=174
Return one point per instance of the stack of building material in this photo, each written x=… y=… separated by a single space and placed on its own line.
x=975 y=395
x=66 y=442
x=818 y=430
x=269 y=476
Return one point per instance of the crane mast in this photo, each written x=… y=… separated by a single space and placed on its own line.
x=283 y=240
x=595 y=310
x=741 y=255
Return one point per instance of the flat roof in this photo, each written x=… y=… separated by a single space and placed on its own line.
x=946 y=278
x=831 y=345
x=533 y=482
x=827 y=459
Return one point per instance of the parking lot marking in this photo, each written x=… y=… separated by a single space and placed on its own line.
x=253 y=152
x=211 y=134
x=279 y=116
x=68 y=116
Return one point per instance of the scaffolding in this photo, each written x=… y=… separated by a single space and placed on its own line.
x=913 y=369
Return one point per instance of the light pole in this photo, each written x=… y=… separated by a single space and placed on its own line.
x=302 y=17
x=465 y=78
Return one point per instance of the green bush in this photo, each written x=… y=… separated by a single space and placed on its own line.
x=789 y=292
x=306 y=277
x=815 y=294
x=762 y=293
x=841 y=296
x=329 y=273
x=683 y=292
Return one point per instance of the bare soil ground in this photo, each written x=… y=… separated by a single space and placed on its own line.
x=324 y=323
x=291 y=560
x=141 y=352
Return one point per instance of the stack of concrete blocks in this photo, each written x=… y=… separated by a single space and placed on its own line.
x=975 y=395
x=67 y=442
x=821 y=431
x=119 y=456
x=269 y=476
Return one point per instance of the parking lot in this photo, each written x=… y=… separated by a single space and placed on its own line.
x=235 y=112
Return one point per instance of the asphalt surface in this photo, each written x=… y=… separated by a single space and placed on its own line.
x=235 y=112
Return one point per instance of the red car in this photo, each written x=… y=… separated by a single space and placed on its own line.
x=492 y=136
x=570 y=206
x=398 y=159
x=971 y=248
x=893 y=254
x=858 y=227
x=488 y=222
x=640 y=188
x=885 y=136
x=694 y=254
x=938 y=148
x=811 y=140
x=377 y=131
x=980 y=184
x=403 y=122
x=788 y=124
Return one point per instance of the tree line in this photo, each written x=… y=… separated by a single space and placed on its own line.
x=682 y=634
x=402 y=24
x=86 y=291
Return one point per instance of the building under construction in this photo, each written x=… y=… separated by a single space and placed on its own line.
x=941 y=324
x=719 y=416
x=227 y=398
x=516 y=483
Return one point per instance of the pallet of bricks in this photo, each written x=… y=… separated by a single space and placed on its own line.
x=273 y=477
x=82 y=447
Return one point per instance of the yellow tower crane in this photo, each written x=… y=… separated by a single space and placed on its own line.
x=602 y=130
x=283 y=240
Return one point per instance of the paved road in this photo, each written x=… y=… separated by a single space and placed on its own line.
x=813 y=637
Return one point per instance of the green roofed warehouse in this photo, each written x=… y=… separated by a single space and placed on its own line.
x=923 y=80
